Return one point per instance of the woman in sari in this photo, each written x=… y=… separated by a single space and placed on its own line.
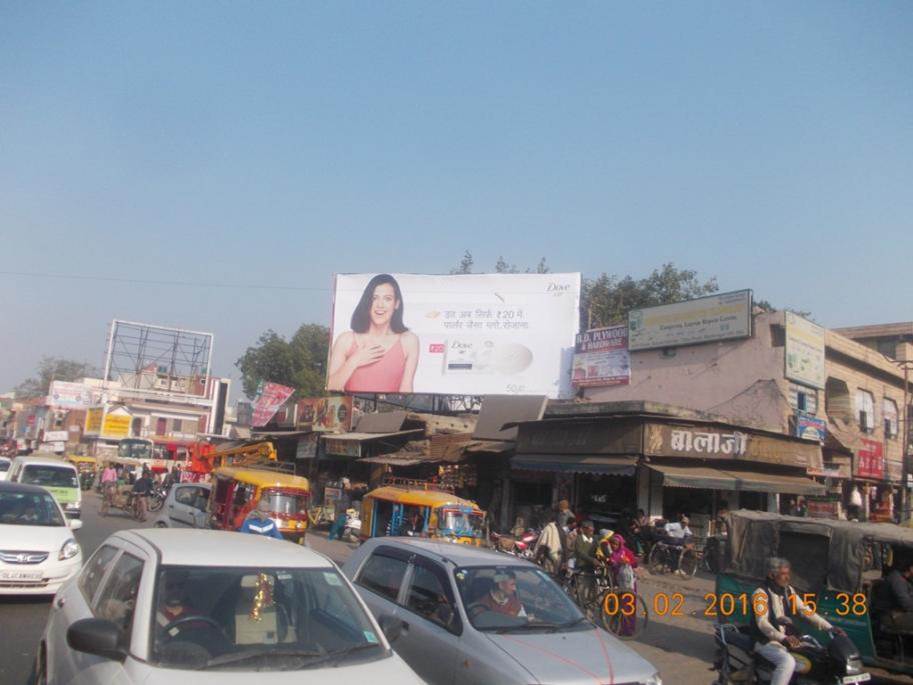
x=622 y=562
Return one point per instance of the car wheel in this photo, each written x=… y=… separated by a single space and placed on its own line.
x=39 y=674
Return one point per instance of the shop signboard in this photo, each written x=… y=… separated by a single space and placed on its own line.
x=326 y=414
x=65 y=395
x=870 y=459
x=116 y=425
x=824 y=507
x=307 y=446
x=601 y=357
x=94 y=416
x=810 y=428
x=703 y=442
x=485 y=334
x=804 y=351
x=725 y=316
x=270 y=397
x=56 y=436
x=342 y=448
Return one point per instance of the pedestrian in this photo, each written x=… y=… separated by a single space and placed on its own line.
x=549 y=548
x=565 y=515
x=622 y=562
x=341 y=508
x=585 y=561
x=141 y=489
x=258 y=522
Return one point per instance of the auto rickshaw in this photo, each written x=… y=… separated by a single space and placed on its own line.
x=422 y=509
x=86 y=467
x=237 y=490
x=838 y=565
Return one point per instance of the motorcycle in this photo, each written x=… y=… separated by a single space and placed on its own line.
x=837 y=664
x=521 y=546
x=157 y=497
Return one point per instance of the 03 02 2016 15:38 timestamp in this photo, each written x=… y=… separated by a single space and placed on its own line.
x=727 y=604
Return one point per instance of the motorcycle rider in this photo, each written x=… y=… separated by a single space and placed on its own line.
x=258 y=522
x=773 y=606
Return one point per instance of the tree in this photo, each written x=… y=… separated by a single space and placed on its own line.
x=502 y=266
x=607 y=299
x=54 y=369
x=768 y=307
x=299 y=363
x=465 y=265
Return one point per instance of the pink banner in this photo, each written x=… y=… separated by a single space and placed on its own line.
x=271 y=397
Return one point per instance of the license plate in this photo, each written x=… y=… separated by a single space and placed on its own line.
x=20 y=575
x=861 y=678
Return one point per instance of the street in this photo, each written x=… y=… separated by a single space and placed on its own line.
x=680 y=646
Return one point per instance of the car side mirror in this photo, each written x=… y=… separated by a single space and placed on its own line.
x=97 y=636
x=75 y=524
x=392 y=628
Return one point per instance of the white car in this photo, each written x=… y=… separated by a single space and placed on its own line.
x=4 y=467
x=185 y=507
x=165 y=606
x=38 y=552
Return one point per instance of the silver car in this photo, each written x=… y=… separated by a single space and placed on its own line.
x=185 y=507
x=461 y=615
x=166 y=607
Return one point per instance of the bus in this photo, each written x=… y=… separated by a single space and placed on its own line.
x=162 y=454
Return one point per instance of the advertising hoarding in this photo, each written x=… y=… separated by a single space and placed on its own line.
x=94 y=416
x=811 y=428
x=870 y=460
x=116 y=425
x=269 y=399
x=804 y=351
x=601 y=357
x=725 y=316
x=326 y=414
x=454 y=335
x=65 y=395
x=56 y=436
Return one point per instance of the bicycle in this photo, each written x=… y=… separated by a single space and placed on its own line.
x=622 y=612
x=668 y=558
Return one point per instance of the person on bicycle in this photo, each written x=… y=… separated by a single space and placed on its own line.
x=585 y=559
x=679 y=535
x=141 y=489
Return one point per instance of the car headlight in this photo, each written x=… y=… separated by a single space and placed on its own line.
x=69 y=550
x=654 y=680
x=73 y=505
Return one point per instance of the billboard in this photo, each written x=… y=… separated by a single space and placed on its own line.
x=810 y=428
x=116 y=425
x=725 y=316
x=69 y=395
x=804 y=351
x=270 y=397
x=94 y=415
x=870 y=460
x=328 y=414
x=467 y=334
x=601 y=357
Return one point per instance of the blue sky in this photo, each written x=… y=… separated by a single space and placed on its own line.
x=769 y=144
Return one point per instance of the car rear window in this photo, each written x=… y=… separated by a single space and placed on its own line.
x=383 y=575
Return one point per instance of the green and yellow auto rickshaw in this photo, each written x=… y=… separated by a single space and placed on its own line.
x=837 y=568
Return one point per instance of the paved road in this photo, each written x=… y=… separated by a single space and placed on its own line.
x=680 y=646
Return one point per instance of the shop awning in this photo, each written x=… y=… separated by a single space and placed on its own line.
x=705 y=477
x=566 y=463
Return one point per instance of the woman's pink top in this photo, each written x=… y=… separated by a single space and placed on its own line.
x=384 y=375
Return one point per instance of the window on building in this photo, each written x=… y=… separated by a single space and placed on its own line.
x=161 y=426
x=891 y=422
x=777 y=335
x=176 y=426
x=887 y=347
x=865 y=410
x=803 y=399
x=837 y=401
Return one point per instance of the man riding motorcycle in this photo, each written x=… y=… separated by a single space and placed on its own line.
x=774 y=604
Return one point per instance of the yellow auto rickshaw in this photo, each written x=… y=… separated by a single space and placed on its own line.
x=86 y=467
x=237 y=490
x=420 y=509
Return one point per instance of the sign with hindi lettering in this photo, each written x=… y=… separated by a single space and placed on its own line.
x=601 y=357
x=870 y=460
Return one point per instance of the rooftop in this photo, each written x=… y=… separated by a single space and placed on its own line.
x=192 y=547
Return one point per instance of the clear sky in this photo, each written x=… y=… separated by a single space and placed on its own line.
x=769 y=144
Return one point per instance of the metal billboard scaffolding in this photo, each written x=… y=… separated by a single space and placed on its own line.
x=158 y=360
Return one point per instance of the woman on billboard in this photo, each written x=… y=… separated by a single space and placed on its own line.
x=379 y=354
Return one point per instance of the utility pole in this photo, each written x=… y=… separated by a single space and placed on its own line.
x=906 y=436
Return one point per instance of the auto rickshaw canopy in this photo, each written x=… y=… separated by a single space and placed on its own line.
x=263 y=478
x=419 y=497
x=840 y=551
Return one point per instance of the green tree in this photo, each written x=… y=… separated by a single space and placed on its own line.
x=607 y=299
x=465 y=265
x=502 y=266
x=299 y=363
x=54 y=369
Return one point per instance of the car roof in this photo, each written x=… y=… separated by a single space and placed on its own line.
x=458 y=554
x=193 y=547
x=44 y=460
x=6 y=486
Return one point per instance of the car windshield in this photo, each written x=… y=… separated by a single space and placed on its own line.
x=516 y=599
x=285 y=502
x=29 y=509
x=50 y=476
x=4 y=465
x=460 y=522
x=258 y=619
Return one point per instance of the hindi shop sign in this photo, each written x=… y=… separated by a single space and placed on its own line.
x=811 y=428
x=271 y=397
x=601 y=357
x=870 y=460
x=726 y=316
x=66 y=395
x=804 y=351
x=326 y=414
